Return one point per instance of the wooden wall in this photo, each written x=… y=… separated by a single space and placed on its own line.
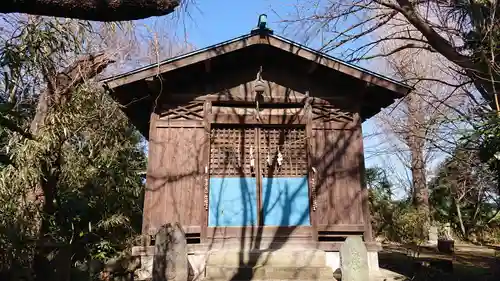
x=336 y=155
x=175 y=177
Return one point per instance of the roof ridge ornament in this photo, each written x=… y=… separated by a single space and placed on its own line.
x=262 y=28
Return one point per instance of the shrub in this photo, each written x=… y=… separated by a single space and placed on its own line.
x=411 y=225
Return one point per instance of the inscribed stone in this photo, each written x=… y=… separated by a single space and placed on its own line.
x=354 y=260
x=170 y=258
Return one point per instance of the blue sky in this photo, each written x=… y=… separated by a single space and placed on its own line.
x=209 y=22
x=214 y=21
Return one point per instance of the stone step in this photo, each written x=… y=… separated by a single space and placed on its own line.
x=247 y=245
x=279 y=258
x=268 y=273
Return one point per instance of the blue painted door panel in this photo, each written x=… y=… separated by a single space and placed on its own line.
x=232 y=201
x=285 y=201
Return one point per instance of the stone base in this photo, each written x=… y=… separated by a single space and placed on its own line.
x=197 y=264
x=373 y=262
x=199 y=261
x=333 y=261
x=146 y=270
x=279 y=264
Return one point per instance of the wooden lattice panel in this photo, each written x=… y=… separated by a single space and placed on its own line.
x=231 y=151
x=327 y=113
x=291 y=144
x=190 y=111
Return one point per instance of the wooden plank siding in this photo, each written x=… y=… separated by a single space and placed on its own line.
x=175 y=181
x=336 y=157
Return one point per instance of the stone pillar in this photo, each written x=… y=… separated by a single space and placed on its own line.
x=170 y=256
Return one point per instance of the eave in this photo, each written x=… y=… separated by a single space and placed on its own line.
x=249 y=40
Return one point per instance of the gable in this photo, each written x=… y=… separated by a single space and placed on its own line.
x=227 y=70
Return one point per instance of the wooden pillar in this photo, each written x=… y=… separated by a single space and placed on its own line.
x=207 y=123
x=149 y=193
x=368 y=233
x=312 y=170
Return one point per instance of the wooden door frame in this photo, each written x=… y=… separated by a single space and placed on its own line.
x=258 y=176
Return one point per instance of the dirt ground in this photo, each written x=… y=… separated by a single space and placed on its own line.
x=469 y=262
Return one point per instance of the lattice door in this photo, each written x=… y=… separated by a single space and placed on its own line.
x=281 y=174
x=233 y=185
x=232 y=151
x=283 y=152
x=283 y=162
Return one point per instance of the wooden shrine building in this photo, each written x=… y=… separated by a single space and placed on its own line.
x=256 y=139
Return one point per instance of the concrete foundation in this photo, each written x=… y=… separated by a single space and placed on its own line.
x=197 y=263
x=373 y=262
x=333 y=261
x=315 y=260
x=146 y=269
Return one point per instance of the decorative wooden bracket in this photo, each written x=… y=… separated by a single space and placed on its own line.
x=194 y=110
x=205 y=198
x=328 y=113
x=313 y=190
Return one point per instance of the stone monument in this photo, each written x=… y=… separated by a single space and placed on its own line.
x=354 y=260
x=433 y=235
x=170 y=256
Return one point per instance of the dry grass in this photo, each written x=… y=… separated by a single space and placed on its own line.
x=470 y=262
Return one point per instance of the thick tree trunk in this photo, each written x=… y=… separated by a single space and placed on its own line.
x=43 y=266
x=97 y=10
x=416 y=143
x=57 y=94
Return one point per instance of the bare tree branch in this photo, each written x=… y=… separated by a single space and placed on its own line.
x=435 y=40
x=454 y=30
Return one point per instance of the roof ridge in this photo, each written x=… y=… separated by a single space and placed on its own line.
x=317 y=53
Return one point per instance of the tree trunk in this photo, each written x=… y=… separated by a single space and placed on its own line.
x=97 y=10
x=460 y=219
x=43 y=265
x=56 y=95
x=416 y=143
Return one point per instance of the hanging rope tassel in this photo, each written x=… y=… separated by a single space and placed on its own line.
x=259 y=87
